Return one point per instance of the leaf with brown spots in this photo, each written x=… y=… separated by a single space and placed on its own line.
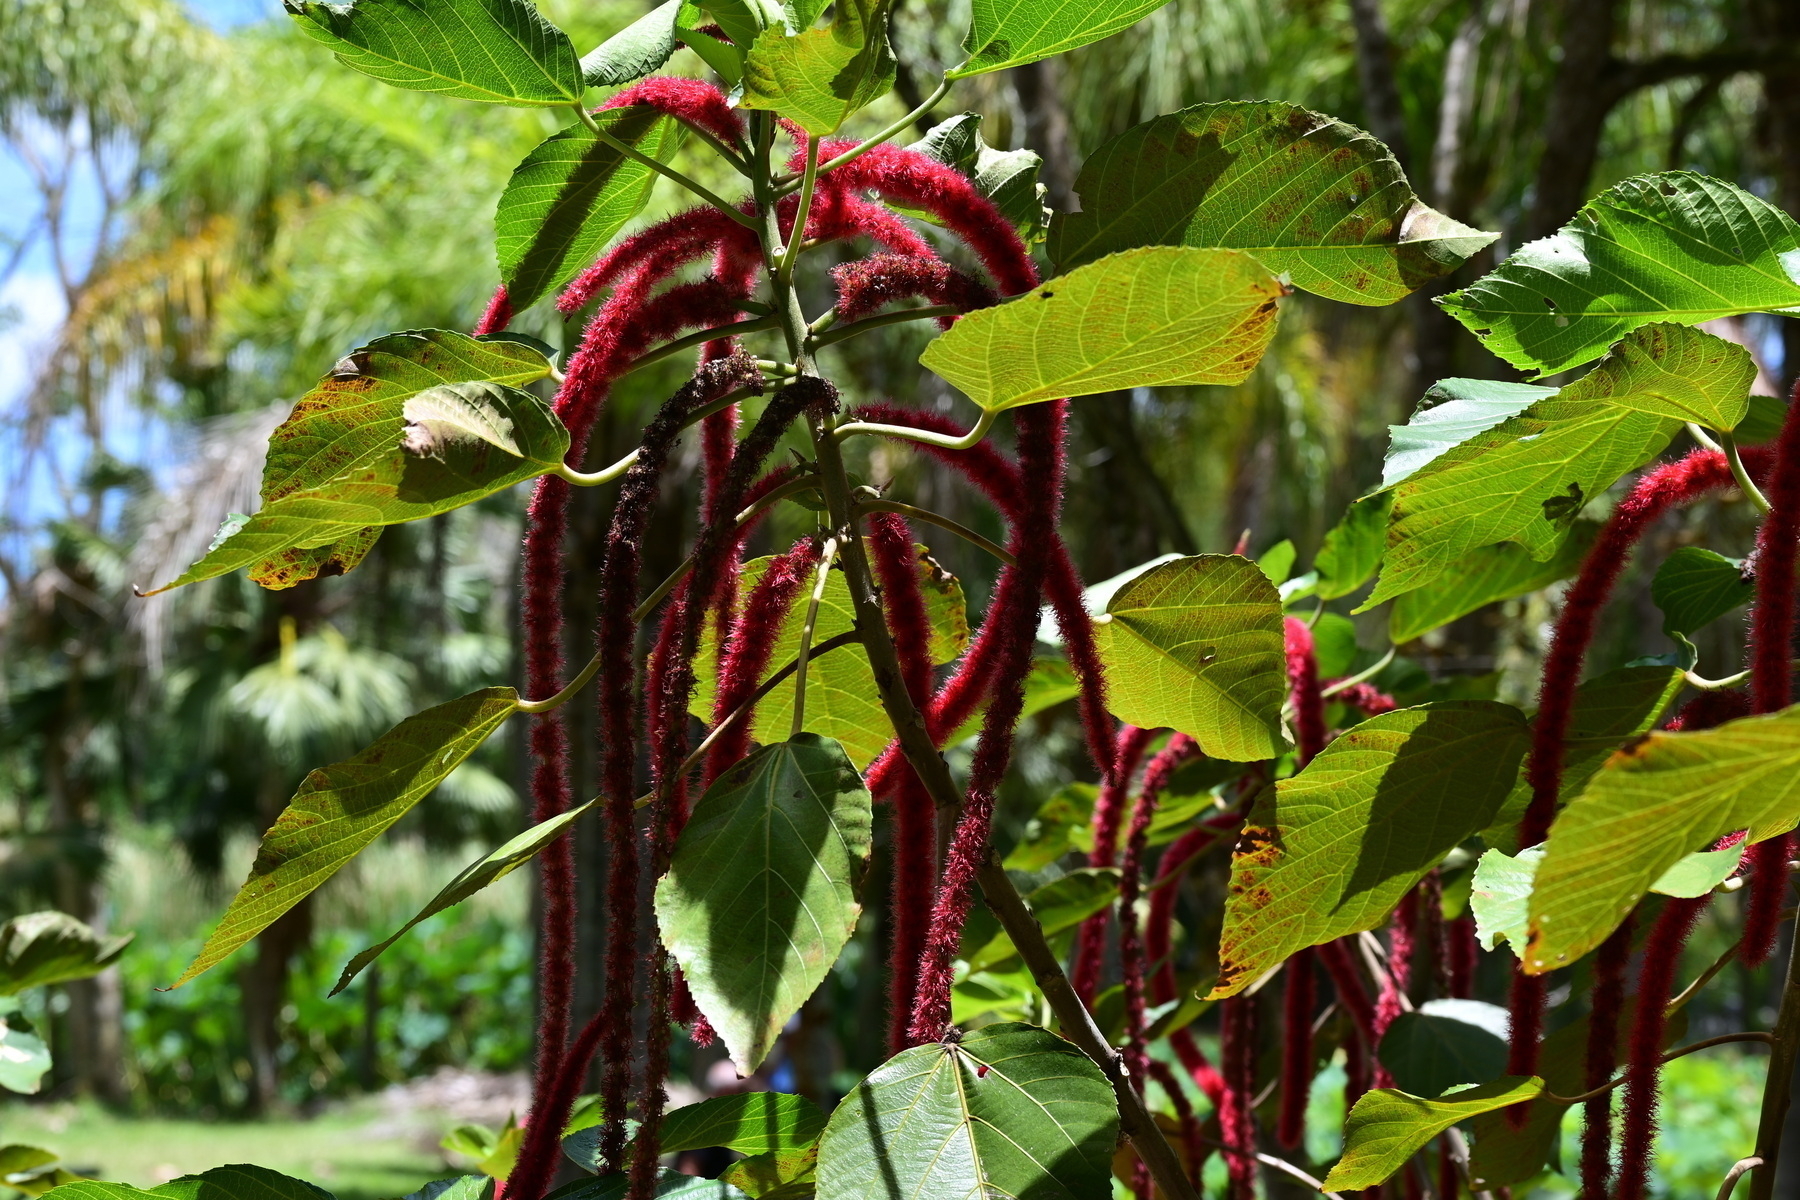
x=340 y=809
x=1652 y=804
x=1308 y=195
x=1147 y=318
x=336 y=471
x=1332 y=850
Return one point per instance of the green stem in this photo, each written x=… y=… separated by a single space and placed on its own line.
x=821 y=339
x=1744 y=482
x=942 y=522
x=610 y=473
x=784 y=186
x=662 y=168
x=826 y=555
x=1363 y=676
x=924 y=436
x=1778 y=1084
x=1722 y=1040
x=720 y=148
x=801 y=213
x=753 y=325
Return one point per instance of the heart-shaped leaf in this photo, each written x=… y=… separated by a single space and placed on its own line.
x=1695 y=587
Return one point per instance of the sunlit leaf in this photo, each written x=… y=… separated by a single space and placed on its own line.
x=1145 y=318
x=1311 y=197
x=639 y=48
x=1481 y=577
x=471 y=879
x=497 y=51
x=240 y=1181
x=1653 y=803
x=1196 y=645
x=1387 y=1127
x=1352 y=548
x=820 y=77
x=1010 y=33
x=340 y=809
x=761 y=894
x=1332 y=850
x=24 y=1056
x=670 y=1185
x=1669 y=247
x=570 y=196
x=1006 y=1110
x=1451 y=413
x=1526 y=479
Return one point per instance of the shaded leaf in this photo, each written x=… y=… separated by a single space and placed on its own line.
x=670 y=1185
x=464 y=1187
x=1695 y=587
x=496 y=51
x=29 y=1169
x=42 y=948
x=24 y=1056
x=750 y=1122
x=1762 y=422
x=340 y=809
x=1008 y=1110
x=1650 y=805
x=1443 y=1044
x=1526 y=479
x=336 y=467
x=778 y=1175
x=639 y=48
x=1674 y=246
x=239 y=1181
x=820 y=77
x=1061 y=824
x=1010 y=33
x=1196 y=645
x=1312 y=198
x=1353 y=547
x=572 y=194
x=1007 y=177
x=1483 y=576
x=1332 y=850
x=471 y=879
x=1387 y=1127
x=761 y=893
x=1144 y=318
x=1059 y=905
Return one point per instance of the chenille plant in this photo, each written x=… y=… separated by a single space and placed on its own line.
x=759 y=721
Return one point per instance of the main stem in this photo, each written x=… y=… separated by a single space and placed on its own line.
x=1778 y=1086
x=921 y=752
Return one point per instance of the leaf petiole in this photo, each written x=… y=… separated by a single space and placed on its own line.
x=826 y=556
x=819 y=338
x=942 y=522
x=923 y=436
x=662 y=168
x=609 y=473
x=784 y=187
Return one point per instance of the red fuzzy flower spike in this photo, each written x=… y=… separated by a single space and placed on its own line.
x=1237 y=1127
x=1303 y=685
x=1299 y=998
x=498 y=316
x=1605 y=1004
x=694 y=101
x=746 y=655
x=1109 y=811
x=1365 y=698
x=1662 y=955
x=1132 y=956
x=868 y=285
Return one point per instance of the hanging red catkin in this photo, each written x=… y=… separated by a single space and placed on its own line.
x=693 y=101
x=1193 y=1149
x=1040 y=441
x=1605 y=1004
x=540 y=1155
x=1299 y=999
x=746 y=656
x=498 y=316
x=1132 y=956
x=1772 y=669
x=1237 y=1126
x=1391 y=1001
x=1662 y=956
x=1654 y=494
x=1339 y=962
x=1109 y=811
x=1157 y=945
x=1460 y=933
x=1366 y=698
x=914 y=853
x=868 y=285
x=1303 y=686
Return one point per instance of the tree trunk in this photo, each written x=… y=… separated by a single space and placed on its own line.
x=264 y=982
x=1580 y=100
x=1778 y=21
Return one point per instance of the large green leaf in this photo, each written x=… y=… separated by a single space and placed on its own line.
x=761 y=894
x=42 y=948
x=471 y=879
x=1332 y=850
x=1526 y=479
x=1669 y=247
x=30 y=1169
x=1312 y=198
x=497 y=51
x=239 y=1181
x=1387 y=1127
x=336 y=466
x=841 y=699
x=820 y=77
x=639 y=48
x=1451 y=413
x=570 y=196
x=1007 y=1110
x=670 y=1185
x=1482 y=576
x=340 y=809
x=1196 y=645
x=777 y=1175
x=750 y=1122
x=1695 y=587
x=1010 y=33
x=1144 y=318
x=1651 y=804
x=1445 y=1043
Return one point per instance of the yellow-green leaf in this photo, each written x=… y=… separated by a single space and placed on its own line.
x=1387 y=1127
x=820 y=77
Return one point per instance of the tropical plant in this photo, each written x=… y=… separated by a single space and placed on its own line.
x=1223 y=702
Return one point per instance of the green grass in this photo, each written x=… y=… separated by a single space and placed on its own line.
x=356 y=1153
